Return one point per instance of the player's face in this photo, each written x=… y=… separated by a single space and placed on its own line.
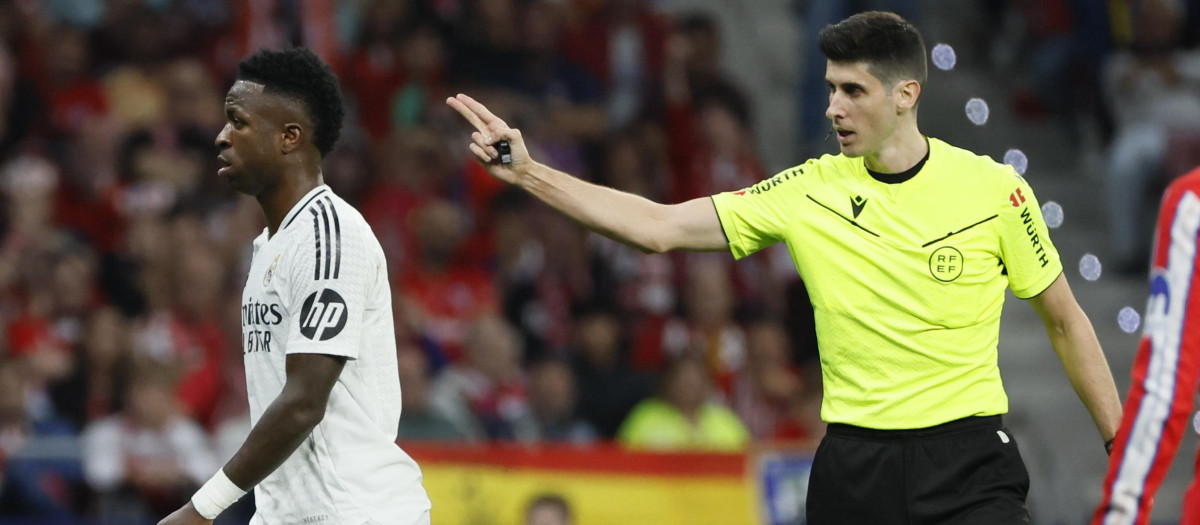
x=862 y=110
x=249 y=141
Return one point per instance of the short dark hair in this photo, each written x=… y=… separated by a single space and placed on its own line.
x=892 y=48
x=300 y=74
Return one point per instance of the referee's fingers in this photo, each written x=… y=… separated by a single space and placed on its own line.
x=480 y=155
x=479 y=109
x=512 y=135
x=468 y=114
x=483 y=144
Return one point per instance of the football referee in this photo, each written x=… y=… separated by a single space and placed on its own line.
x=906 y=244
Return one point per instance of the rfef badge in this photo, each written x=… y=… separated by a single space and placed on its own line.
x=946 y=263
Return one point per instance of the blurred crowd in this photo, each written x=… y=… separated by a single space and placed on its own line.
x=122 y=257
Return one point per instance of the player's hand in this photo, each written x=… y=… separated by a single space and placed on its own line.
x=489 y=129
x=186 y=515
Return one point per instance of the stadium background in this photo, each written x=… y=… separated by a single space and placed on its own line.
x=525 y=341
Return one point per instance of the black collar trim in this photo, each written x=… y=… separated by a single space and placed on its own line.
x=897 y=178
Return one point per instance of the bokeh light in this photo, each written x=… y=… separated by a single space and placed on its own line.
x=1129 y=320
x=1053 y=213
x=943 y=57
x=977 y=111
x=1017 y=159
x=1089 y=267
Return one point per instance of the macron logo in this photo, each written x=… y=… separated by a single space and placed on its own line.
x=857 y=203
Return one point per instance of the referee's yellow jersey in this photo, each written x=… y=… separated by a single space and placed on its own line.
x=906 y=274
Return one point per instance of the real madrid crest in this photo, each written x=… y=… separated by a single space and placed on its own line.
x=271 y=271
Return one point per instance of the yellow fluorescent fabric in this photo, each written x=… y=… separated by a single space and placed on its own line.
x=907 y=279
x=656 y=424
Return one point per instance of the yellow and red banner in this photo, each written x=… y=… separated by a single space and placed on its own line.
x=604 y=485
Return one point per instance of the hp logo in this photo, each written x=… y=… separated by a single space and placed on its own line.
x=323 y=315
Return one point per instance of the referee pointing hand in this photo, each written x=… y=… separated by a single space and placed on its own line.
x=906 y=244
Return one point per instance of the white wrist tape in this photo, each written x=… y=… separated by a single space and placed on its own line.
x=216 y=495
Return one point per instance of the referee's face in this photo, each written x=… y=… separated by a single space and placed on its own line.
x=863 y=112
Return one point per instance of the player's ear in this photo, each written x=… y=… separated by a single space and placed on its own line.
x=293 y=133
x=906 y=94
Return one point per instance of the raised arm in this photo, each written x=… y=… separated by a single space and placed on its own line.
x=1075 y=342
x=631 y=219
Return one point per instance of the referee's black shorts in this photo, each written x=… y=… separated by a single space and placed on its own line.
x=966 y=471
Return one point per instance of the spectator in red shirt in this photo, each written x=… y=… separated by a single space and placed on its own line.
x=763 y=390
x=59 y=60
x=708 y=125
x=622 y=43
x=411 y=169
x=448 y=291
x=374 y=69
x=707 y=331
x=181 y=327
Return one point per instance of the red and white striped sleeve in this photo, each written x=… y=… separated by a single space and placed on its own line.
x=1167 y=365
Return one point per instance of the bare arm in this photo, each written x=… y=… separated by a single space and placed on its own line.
x=1075 y=342
x=285 y=424
x=628 y=218
x=289 y=419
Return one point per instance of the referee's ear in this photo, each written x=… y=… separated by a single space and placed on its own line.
x=906 y=93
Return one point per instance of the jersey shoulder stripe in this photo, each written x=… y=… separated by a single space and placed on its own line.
x=327 y=239
x=337 y=235
x=305 y=205
x=316 y=221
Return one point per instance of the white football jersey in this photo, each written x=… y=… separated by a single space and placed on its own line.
x=320 y=285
